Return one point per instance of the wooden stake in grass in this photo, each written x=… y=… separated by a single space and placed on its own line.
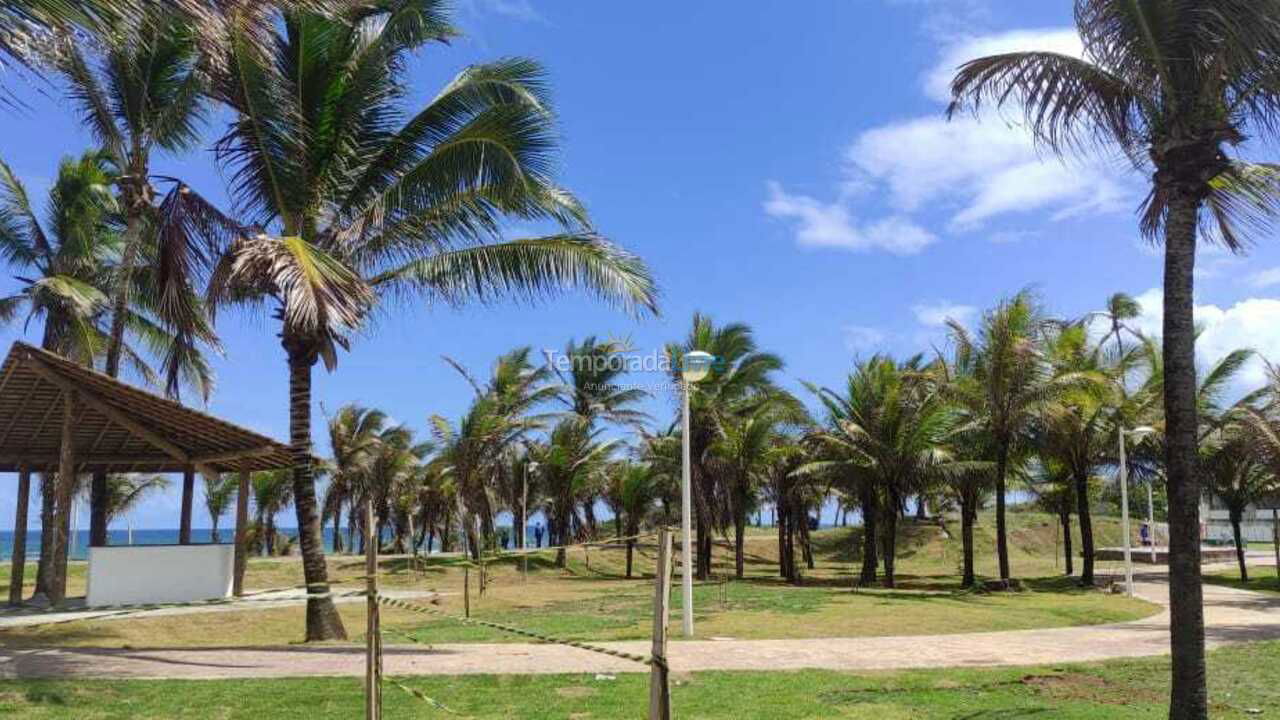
x=659 y=681
x=466 y=591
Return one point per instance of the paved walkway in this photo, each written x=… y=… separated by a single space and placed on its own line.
x=1231 y=616
x=259 y=601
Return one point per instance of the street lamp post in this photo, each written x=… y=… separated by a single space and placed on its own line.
x=1151 y=518
x=1124 y=506
x=694 y=366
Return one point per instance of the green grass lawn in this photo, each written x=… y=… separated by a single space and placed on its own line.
x=593 y=600
x=1241 y=679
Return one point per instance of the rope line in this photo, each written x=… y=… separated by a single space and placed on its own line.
x=421 y=696
x=550 y=639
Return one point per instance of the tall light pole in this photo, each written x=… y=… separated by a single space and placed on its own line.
x=1151 y=518
x=1124 y=504
x=694 y=366
x=524 y=520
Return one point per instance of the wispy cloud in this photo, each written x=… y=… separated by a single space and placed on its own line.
x=965 y=173
x=832 y=225
x=1265 y=278
x=862 y=340
x=937 y=314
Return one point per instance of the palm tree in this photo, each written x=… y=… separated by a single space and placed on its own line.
x=146 y=94
x=1173 y=86
x=1007 y=384
x=1238 y=474
x=1074 y=428
x=218 y=494
x=125 y=492
x=895 y=421
x=63 y=263
x=272 y=493
x=499 y=418
x=573 y=458
x=357 y=203
x=635 y=487
x=739 y=456
x=354 y=432
x=589 y=374
x=739 y=382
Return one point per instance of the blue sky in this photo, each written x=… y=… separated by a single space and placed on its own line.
x=781 y=164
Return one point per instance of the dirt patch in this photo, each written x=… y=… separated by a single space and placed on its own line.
x=1089 y=688
x=575 y=691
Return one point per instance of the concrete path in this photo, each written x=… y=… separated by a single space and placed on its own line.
x=259 y=601
x=1231 y=616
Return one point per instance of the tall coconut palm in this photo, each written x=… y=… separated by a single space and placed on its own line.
x=1173 y=86
x=1008 y=382
x=573 y=459
x=740 y=380
x=740 y=456
x=354 y=432
x=500 y=417
x=218 y=493
x=589 y=374
x=635 y=488
x=897 y=421
x=357 y=201
x=1075 y=428
x=146 y=94
x=1237 y=475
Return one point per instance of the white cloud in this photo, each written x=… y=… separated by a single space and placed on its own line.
x=970 y=169
x=1252 y=323
x=1265 y=278
x=860 y=339
x=831 y=225
x=937 y=81
x=937 y=314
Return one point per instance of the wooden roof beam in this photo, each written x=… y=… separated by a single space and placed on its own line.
x=116 y=415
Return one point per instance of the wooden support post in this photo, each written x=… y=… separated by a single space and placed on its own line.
x=466 y=591
x=242 y=534
x=17 y=569
x=373 y=639
x=188 y=491
x=65 y=491
x=659 y=680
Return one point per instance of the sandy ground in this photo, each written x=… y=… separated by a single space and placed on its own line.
x=1230 y=615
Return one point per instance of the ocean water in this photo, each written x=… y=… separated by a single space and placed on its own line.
x=80 y=540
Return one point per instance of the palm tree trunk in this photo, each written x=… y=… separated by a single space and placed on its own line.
x=739 y=533
x=1002 y=536
x=869 y=529
x=631 y=546
x=213 y=530
x=44 y=570
x=890 y=541
x=968 y=514
x=780 y=523
x=1236 y=517
x=1086 y=526
x=1064 y=516
x=337 y=529
x=323 y=621
x=98 y=510
x=1188 y=696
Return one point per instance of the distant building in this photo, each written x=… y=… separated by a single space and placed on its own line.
x=1255 y=526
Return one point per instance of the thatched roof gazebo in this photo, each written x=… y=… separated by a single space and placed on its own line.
x=58 y=416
